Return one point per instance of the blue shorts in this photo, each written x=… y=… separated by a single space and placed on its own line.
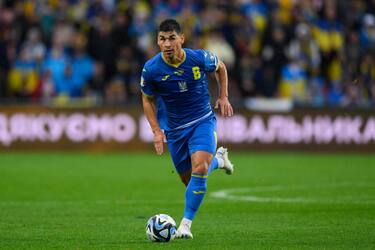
x=182 y=143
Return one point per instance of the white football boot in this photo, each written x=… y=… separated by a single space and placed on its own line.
x=183 y=231
x=222 y=153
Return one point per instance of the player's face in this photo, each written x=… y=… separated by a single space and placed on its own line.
x=170 y=43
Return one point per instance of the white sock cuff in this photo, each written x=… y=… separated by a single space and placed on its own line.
x=186 y=222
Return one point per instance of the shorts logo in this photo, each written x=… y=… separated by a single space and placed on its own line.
x=183 y=86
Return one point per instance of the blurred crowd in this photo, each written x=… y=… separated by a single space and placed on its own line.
x=315 y=52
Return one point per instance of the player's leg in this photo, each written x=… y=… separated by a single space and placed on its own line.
x=179 y=151
x=197 y=186
x=195 y=191
x=213 y=165
x=202 y=146
x=223 y=160
x=216 y=162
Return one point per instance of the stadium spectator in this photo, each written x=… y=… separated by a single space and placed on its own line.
x=82 y=64
x=293 y=81
x=217 y=44
x=247 y=72
x=367 y=77
x=303 y=48
x=315 y=92
x=273 y=60
x=328 y=32
x=101 y=45
x=34 y=46
x=57 y=66
x=367 y=32
x=23 y=80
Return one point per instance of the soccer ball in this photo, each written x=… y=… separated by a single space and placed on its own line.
x=161 y=228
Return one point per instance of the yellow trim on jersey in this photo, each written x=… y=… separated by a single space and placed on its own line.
x=176 y=65
x=215 y=135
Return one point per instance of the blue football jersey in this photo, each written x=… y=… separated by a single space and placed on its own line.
x=181 y=90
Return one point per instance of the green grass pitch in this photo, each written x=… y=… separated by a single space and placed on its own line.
x=102 y=201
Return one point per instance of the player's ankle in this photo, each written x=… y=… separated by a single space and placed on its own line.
x=186 y=222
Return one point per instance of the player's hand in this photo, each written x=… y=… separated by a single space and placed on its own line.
x=225 y=106
x=159 y=141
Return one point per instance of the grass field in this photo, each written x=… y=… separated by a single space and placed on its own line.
x=102 y=201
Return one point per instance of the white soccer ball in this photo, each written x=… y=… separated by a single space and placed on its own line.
x=161 y=228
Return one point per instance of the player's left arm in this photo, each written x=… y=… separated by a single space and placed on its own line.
x=222 y=102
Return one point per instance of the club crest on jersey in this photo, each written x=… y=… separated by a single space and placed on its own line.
x=183 y=86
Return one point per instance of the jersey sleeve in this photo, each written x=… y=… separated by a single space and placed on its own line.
x=146 y=84
x=210 y=60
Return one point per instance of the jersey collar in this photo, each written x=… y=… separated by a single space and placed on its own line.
x=176 y=65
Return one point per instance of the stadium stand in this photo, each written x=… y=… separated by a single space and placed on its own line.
x=314 y=52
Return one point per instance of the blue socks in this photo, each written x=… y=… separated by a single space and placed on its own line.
x=196 y=190
x=194 y=194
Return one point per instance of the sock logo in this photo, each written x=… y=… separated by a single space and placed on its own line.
x=198 y=192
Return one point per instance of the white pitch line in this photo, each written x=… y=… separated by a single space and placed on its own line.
x=240 y=194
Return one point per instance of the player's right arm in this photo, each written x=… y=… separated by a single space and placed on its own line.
x=222 y=79
x=150 y=110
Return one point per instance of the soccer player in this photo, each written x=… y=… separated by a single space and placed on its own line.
x=176 y=103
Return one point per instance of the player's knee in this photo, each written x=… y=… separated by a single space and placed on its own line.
x=201 y=167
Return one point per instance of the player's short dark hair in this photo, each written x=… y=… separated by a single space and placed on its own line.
x=170 y=25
